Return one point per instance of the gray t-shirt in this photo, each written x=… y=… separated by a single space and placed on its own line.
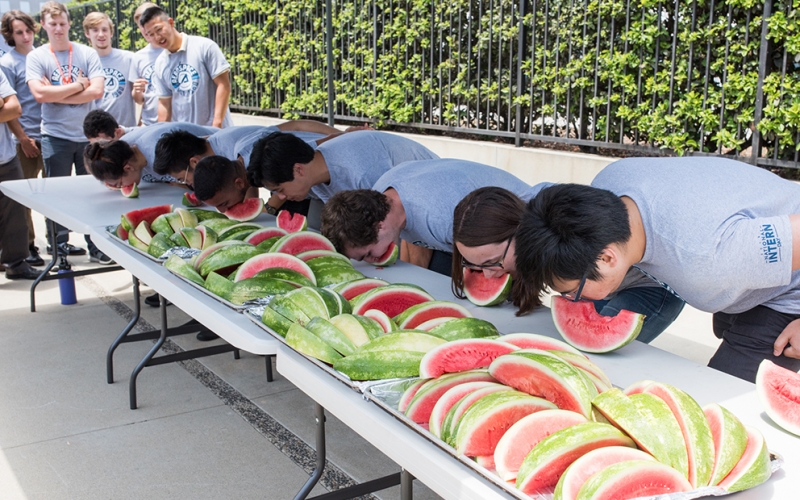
x=117 y=98
x=357 y=160
x=143 y=63
x=64 y=120
x=232 y=142
x=13 y=65
x=717 y=230
x=146 y=138
x=187 y=76
x=430 y=191
x=7 y=149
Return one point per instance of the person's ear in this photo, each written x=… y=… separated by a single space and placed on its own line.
x=118 y=132
x=609 y=258
x=193 y=161
x=241 y=184
x=299 y=170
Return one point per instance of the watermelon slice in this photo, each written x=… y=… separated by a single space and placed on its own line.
x=593 y=462
x=313 y=254
x=433 y=323
x=591 y=370
x=131 y=219
x=260 y=235
x=131 y=191
x=291 y=223
x=536 y=341
x=462 y=355
x=121 y=232
x=247 y=210
x=391 y=299
x=302 y=340
x=353 y=289
x=389 y=257
x=730 y=440
x=258 y=263
x=190 y=200
x=385 y=321
x=378 y=365
x=485 y=422
x=448 y=399
x=216 y=246
x=420 y=407
x=583 y=328
x=331 y=335
x=454 y=414
x=420 y=313
x=409 y=394
x=462 y=328
x=779 y=392
x=482 y=290
x=295 y=243
x=753 y=468
x=633 y=479
x=525 y=434
x=403 y=340
x=544 y=465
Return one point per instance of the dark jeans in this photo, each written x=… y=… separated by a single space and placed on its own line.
x=747 y=339
x=59 y=155
x=659 y=306
x=13 y=226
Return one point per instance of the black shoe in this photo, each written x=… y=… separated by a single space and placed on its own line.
x=152 y=300
x=34 y=259
x=95 y=255
x=66 y=249
x=22 y=271
x=206 y=335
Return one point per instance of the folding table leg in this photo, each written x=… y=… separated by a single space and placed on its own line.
x=50 y=265
x=268 y=362
x=137 y=309
x=162 y=303
x=406 y=485
x=319 y=416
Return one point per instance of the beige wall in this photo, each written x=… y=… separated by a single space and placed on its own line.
x=532 y=165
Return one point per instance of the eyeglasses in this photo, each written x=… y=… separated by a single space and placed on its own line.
x=495 y=265
x=185 y=175
x=576 y=295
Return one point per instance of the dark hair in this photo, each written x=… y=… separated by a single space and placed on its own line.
x=351 y=218
x=99 y=122
x=152 y=13
x=174 y=149
x=106 y=159
x=487 y=216
x=7 y=25
x=211 y=175
x=563 y=231
x=274 y=156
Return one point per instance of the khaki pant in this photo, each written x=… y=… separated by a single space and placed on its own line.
x=31 y=167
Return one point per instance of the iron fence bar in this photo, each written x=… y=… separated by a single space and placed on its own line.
x=520 y=49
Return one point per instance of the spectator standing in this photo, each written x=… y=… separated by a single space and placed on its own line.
x=118 y=97
x=66 y=78
x=18 y=30
x=192 y=76
x=144 y=92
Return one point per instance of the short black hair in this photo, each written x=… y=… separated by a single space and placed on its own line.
x=99 y=122
x=151 y=14
x=212 y=174
x=274 y=156
x=563 y=231
x=106 y=159
x=174 y=149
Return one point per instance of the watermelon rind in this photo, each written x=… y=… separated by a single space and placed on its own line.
x=379 y=365
x=256 y=288
x=461 y=355
x=754 y=466
x=391 y=299
x=332 y=270
x=433 y=323
x=385 y=321
x=218 y=285
x=484 y=423
x=218 y=225
x=131 y=191
x=175 y=221
x=158 y=245
x=331 y=335
x=313 y=254
x=389 y=257
x=778 y=390
x=260 y=262
x=143 y=232
x=183 y=268
x=204 y=215
x=188 y=219
x=190 y=200
x=226 y=258
x=161 y=225
x=130 y=220
x=418 y=314
x=583 y=328
x=290 y=222
x=302 y=241
x=404 y=340
x=454 y=414
x=193 y=237
x=352 y=328
x=370 y=326
x=452 y=396
x=586 y=466
x=208 y=251
x=247 y=210
x=209 y=236
x=525 y=434
x=352 y=289
x=279 y=323
x=178 y=240
x=288 y=309
x=135 y=242
x=308 y=300
x=239 y=231
x=633 y=479
x=658 y=415
x=484 y=291
x=582 y=362
x=301 y=340
x=421 y=405
x=544 y=465
x=333 y=301
x=409 y=393
x=730 y=440
x=260 y=235
x=537 y=341
x=542 y=374
x=464 y=328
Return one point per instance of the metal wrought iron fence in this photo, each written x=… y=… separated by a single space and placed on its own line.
x=653 y=77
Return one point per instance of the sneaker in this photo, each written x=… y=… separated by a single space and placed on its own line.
x=152 y=300
x=206 y=335
x=22 y=271
x=34 y=259
x=66 y=249
x=95 y=255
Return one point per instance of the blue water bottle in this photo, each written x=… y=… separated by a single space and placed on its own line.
x=66 y=285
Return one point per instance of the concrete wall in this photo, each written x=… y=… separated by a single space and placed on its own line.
x=532 y=165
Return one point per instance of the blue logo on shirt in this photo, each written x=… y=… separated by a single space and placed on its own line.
x=147 y=74
x=55 y=76
x=770 y=244
x=115 y=84
x=184 y=79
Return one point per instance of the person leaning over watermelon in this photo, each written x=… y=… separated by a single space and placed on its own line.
x=484 y=224
x=221 y=183
x=413 y=202
x=722 y=234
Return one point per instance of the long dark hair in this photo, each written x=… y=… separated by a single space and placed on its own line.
x=106 y=159
x=487 y=216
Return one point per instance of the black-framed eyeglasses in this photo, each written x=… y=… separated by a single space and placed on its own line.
x=576 y=295
x=495 y=265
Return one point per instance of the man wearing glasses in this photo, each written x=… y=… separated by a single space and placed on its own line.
x=722 y=234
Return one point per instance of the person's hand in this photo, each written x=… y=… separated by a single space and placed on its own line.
x=788 y=342
x=29 y=147
x=356 y=128
x=139 y=85
x=216 y=123
x=83 y=81
x=46 y=81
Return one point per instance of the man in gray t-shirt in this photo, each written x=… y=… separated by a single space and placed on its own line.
x=144 y=92
x=719 y=233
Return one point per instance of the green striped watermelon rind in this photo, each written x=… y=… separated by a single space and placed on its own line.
x=633 y=478
x=418 y=314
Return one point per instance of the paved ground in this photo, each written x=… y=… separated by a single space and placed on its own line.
x=205 y=429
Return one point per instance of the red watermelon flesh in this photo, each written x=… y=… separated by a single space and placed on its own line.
x=453 y=416
x=258 y=263
x=461 y=355
x=633 y=479
x=486 y=461
x=389 y=257
x=264 y=234
x=536 y=341
x=420 y=313
x=779 y=392
x=420 y=408
x=482 y=290
x=409 y=394
x=596 y=460
x=582 y=327
x=295 y=243
x=525 y=434
x=353 y=289
x=448 y=399
x=292 y=223
x=135 y=217
x=121 y=233
x=753 y=468
x=391 y=299
x=190 y=200
x=247 y=210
